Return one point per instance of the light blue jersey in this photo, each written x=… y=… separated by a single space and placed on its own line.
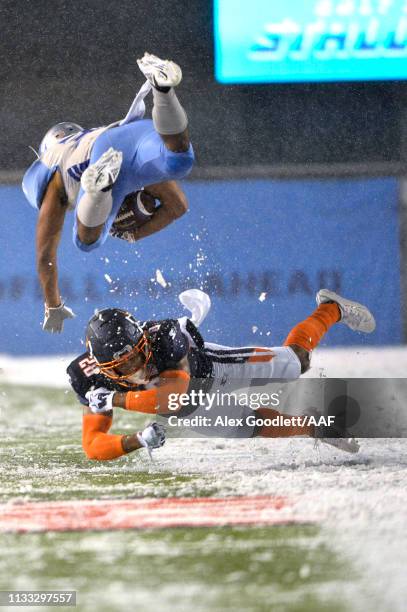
x=70 y=156
x=146 y=161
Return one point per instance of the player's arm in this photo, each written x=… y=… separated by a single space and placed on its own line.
x=100 y=445
x=97 y=442
x=162 y=399
x=171 y=348
x=173 y=204
x=49 y=229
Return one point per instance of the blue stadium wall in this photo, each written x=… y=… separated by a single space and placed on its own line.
x=240 y=239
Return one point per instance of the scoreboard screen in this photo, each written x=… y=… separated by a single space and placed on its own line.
x=272 y=41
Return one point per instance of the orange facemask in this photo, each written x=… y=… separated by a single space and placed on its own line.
x=109 y=368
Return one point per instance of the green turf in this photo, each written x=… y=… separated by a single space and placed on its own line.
x=42 y=457
x=278 y=568
x=284 y=568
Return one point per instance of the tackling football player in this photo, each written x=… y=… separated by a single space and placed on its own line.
x=138 y=365
x=93 y=170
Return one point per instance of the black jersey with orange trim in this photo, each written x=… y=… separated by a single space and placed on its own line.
x=173 y=339
x=170 y=340
x=84 y=375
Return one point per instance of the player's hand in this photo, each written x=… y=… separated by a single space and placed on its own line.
x=100 y=400
x=54 y=318
x=153 y=436
x=123 y=235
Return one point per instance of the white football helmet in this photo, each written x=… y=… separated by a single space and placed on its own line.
x=57 y=132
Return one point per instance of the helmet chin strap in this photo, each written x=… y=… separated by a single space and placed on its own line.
x=34 y=151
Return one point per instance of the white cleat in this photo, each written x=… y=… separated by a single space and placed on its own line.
x=348 y=445
x=103 y=173
x=354 y=315
x=160 y=73
x=339 y=437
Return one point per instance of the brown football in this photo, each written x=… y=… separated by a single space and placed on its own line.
x=130 y=217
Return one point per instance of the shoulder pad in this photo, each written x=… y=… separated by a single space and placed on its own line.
x=35 y=182
x=168 y=344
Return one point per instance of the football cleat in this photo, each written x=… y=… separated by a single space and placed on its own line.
x=160 y=73
x=348 y=445
x=103 y=173
x=354 y=315
x=333 y=435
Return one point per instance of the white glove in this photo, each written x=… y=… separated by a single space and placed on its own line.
x=54 y=318
x=153 y=436
x=100 y=400
x=126 y=235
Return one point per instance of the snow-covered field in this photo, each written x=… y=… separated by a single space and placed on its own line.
x=359 y=501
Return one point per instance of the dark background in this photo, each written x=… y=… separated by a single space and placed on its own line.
x=77 y=61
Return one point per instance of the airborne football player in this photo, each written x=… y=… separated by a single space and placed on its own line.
x=92 y=172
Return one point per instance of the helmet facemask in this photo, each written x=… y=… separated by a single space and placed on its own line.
x=118 y=369
x=57 y=133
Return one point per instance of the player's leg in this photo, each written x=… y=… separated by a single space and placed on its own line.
x=109 y=177
x=293 y=359
x=169 y=117
x=332 y=308
x=143 y=160
x=266 y=429
x=90 y=238
x=232 y=419
x=306 y=335
x=331 y=435
x=248 y=363
x=95 y=200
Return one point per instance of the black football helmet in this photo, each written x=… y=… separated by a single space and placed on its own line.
x=113 y=336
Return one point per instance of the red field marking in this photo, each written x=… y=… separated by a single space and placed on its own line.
x=84 y=515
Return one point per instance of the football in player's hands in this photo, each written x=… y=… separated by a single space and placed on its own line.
x=136 y=209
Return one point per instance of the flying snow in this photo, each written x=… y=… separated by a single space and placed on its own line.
x=160 y=279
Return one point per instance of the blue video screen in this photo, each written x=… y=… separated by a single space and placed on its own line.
x=274 y=41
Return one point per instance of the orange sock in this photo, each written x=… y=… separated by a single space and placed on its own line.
x=308 y=333
x=275 y=431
